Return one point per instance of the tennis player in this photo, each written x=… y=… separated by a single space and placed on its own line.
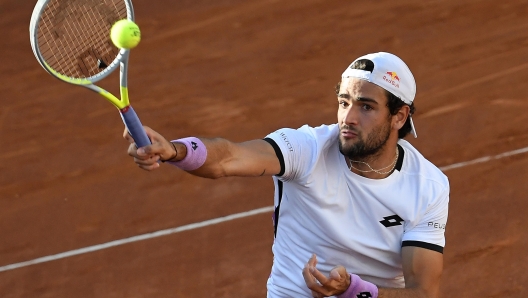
x=359 y=212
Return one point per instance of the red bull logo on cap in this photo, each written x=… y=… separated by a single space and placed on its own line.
x=392 y=78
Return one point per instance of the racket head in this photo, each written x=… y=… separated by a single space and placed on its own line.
x=71 y=38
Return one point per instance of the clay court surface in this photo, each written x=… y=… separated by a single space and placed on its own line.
x=241 y=69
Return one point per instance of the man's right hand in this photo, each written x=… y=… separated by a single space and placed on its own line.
x=148 y=157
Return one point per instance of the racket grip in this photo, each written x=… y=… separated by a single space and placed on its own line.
x=134 y=126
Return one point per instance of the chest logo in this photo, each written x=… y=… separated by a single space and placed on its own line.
x=391 y=221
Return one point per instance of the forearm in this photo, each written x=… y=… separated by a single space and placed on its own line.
x=217 y=154
x=403 y=293
x=361 y=288
x=225 y=158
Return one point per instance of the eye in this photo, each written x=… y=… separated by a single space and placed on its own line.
x=366 y=107
x=343 y=103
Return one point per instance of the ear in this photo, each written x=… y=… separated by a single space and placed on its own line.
x=399 y=119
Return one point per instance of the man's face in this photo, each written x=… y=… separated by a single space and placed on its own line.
x=363 y=117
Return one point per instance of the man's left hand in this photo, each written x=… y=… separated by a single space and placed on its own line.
x=320 y=285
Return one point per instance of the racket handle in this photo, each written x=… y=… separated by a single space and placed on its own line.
x=134 y=126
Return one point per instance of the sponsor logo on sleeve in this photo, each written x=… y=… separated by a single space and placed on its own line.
x=436 y=225
x=285 y=139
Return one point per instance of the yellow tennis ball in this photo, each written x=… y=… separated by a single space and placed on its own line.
x=125 y=34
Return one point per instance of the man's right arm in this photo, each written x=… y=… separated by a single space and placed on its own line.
x=224 y=158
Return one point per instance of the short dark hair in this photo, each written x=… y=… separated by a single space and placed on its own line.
x=394 y=103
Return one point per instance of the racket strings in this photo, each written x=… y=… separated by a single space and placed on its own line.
x=74 y=35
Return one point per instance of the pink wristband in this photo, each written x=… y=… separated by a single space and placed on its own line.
x=196 y=154
x=359 y=289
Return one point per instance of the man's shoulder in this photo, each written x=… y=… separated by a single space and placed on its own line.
x=416 y=164
x=302 y=148
x=318 y=134
x=321 y=130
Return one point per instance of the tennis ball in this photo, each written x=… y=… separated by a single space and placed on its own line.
x=125 y=34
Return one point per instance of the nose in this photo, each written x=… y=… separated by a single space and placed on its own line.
x=350 y=115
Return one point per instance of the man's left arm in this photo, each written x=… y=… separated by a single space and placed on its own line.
x=422 y=269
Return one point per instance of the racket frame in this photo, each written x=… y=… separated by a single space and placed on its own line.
x=128 y=114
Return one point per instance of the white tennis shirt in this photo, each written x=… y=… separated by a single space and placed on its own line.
x=347 y=219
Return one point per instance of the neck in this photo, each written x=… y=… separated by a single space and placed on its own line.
x=376 y=166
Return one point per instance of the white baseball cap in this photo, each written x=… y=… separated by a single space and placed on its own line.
x=391 y=74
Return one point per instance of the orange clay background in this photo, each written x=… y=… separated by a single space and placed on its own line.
x=241 y=69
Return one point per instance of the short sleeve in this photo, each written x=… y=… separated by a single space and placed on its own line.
x=430 y=231
x=298 y=150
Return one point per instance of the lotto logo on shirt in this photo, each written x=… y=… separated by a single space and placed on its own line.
x=392 y=78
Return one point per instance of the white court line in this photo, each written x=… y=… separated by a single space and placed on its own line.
x=484 y=159
x=137 y=238
x=212 y=221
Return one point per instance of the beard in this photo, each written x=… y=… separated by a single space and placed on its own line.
x=366 y=147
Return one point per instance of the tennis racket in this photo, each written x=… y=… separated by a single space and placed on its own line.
x=71 y=40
